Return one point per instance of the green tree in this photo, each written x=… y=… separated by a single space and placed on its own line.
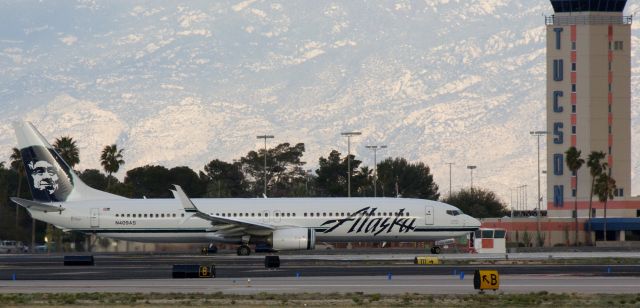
x=411 y=180
x=605 y=186
x=17 y=166
x=596 y=168
x=225 y=180
x=68 y=150
x=574 y=163
x=111 y=159
x=149 y=181
x=188 y=180
x=94 y=178
x=284 y=168
x=362 y=181
x=477 y=202
x=332 y=174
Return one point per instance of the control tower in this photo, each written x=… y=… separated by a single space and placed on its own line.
x=588 y=101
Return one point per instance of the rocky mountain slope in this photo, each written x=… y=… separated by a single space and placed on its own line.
x=438 y=81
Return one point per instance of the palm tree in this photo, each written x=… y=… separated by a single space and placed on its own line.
x=605 y=186
x=68 y=150
x=574 y=163
x=596 y=167
x=17 y=166
x=111 y=160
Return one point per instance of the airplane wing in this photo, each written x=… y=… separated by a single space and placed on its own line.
x=227 y=223
x=34 y=205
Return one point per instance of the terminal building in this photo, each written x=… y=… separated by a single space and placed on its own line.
x=588 y=100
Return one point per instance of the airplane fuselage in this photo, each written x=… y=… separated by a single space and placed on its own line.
x=333 y=219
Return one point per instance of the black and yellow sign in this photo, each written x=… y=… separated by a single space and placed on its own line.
x=486 y=280
x=426 y=260
x=205 y=272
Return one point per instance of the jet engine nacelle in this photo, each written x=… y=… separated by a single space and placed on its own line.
x=293 y=239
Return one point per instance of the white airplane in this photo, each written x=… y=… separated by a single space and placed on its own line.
x=62 y=199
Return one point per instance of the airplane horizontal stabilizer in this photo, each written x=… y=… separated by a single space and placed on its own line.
x=37 y=206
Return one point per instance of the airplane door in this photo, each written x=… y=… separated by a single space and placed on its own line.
x=265 y=216
x=277 y=215
x=95 y=218
x=428 y=215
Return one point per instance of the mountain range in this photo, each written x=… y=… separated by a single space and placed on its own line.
x=182 y=83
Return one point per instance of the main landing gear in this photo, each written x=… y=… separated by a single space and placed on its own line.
x=244 y=250
x=435 y=250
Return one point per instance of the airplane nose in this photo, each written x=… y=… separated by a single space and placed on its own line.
x=472 y=222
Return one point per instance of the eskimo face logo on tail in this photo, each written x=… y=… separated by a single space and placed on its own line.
x=45 y=176
x=50 y=178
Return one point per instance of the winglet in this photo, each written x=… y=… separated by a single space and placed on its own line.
x=184 y=200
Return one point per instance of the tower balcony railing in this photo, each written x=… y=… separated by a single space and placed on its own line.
x=587 y=20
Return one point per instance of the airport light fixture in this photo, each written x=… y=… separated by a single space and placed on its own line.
x=538 y=134
x=375 y=149
x=265 y=137
x=349 y=135
x=471 y=167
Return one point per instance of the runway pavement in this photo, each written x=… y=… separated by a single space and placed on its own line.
x=424 y=284
x=127 y=266
x=314 y=273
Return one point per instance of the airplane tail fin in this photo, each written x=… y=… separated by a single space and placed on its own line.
x=50 y=177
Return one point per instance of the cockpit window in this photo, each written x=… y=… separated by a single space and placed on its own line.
x=454 y=212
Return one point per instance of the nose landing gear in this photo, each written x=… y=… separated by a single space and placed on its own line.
x=244 y=250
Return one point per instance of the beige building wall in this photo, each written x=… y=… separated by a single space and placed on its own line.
x=596 y=69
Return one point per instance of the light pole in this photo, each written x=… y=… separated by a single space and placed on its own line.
x=348 y=135
x=375 y=166
x=511 y=193
x=265 y=137
x=449 y=178
x=471 y=167
x=538 y=134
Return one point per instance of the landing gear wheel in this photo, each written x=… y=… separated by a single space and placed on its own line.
x=244 y=250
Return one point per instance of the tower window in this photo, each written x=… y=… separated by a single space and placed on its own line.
x=609 y=129
x=617 y=45
x=609 y=150
x=573 y=45
x=609 y=108
x=573 y=87
x=573 y=129
x=573 y=66
x=619 y=192
x=573 y=192
x=609 y=87
x=573 y=108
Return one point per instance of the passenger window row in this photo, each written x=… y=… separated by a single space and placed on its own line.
x=156 y=215
x=277 y=214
